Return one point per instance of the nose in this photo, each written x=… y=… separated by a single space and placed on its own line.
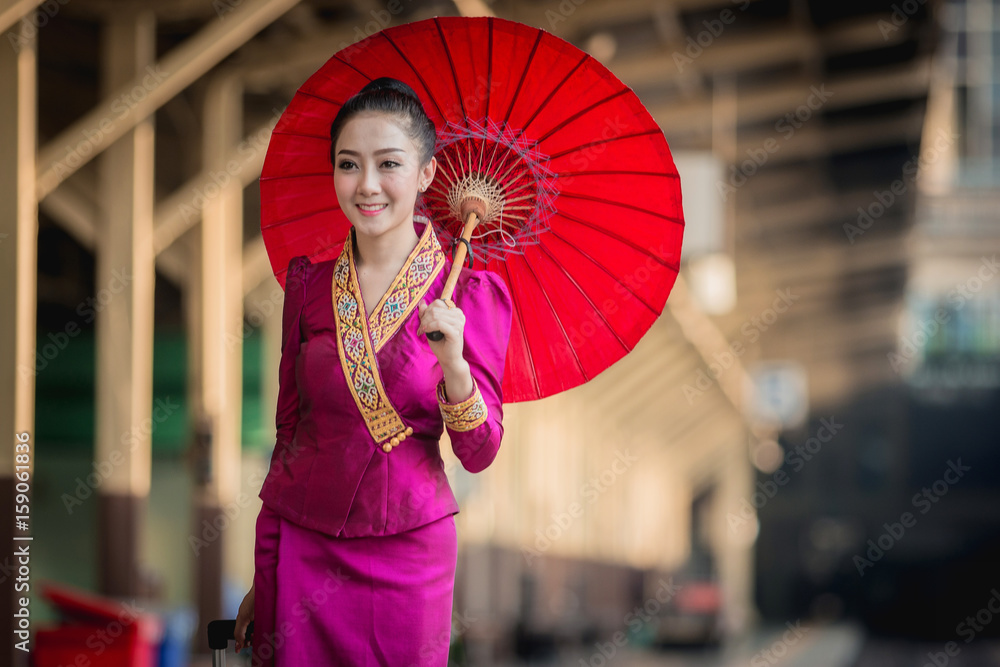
x=368 y=184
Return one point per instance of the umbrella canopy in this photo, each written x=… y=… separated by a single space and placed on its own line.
x=583 y=213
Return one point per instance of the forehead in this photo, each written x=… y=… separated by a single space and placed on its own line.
x=369 y=131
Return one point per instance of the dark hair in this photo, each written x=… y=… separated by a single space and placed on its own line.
x=393 y=97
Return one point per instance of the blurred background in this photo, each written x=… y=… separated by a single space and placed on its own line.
x=797 y=465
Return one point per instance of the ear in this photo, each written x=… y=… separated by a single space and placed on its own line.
x=428 y=170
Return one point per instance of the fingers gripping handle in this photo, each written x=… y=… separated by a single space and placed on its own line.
x=221 y=632
x=461 y=250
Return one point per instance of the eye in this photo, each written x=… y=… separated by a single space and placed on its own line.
x=391 y=163
x=346 y=164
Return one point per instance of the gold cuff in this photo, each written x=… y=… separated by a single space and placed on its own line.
x=463 y=416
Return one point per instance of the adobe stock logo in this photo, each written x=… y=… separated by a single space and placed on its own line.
x=796 y=459
x=776 y=652
x=924 y=501
x=968 y=628
x=884 y=200
x=593 y=489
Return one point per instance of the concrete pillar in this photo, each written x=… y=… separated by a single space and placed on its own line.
x=734 y=540
x=220 y=343
x=18 y=300
x=124 y=327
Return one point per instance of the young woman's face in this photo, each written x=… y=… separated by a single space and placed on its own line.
x=377 y=173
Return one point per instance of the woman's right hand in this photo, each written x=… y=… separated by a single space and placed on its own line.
x=243 y=618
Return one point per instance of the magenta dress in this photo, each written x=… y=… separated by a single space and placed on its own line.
x=356 y=549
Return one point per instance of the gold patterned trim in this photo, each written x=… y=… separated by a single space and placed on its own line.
x=466 y=415
x=360 y=337
x=411 y=283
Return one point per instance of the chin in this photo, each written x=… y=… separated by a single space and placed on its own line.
x=376 y=227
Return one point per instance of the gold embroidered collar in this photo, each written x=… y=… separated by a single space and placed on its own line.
x=359 y=337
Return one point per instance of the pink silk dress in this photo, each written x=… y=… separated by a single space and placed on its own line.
x=355 y=550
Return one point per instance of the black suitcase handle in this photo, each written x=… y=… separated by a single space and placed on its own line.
x=221 y=632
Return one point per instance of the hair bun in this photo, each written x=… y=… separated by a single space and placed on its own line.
x=389 y=83
x=393 y=97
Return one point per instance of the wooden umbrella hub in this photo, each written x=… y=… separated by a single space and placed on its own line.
x=496 y=172
x=476 y=192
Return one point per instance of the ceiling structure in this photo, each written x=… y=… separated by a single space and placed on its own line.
x=815 y=108
x=720 y=76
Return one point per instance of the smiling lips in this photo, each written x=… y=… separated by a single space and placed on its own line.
x=371 y=209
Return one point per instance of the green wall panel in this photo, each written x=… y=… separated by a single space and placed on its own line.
x=64 y=392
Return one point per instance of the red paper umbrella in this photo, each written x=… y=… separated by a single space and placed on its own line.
x=578 y=201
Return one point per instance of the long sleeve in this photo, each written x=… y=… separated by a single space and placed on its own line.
x=287 y=414
x=475 y=425
x=328 y=472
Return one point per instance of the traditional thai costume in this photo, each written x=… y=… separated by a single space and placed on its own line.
x=356 y=547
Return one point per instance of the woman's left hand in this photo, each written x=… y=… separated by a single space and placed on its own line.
x=437 y=316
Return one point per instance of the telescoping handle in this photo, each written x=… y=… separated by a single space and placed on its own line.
x=220 y=633
x=476 y=209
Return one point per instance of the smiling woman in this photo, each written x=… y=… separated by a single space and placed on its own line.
x=377 y=190
x=356 y=548
x=377 y=185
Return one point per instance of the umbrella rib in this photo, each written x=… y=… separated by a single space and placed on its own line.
x=445 y=169
x=581 y=112
x=620 y=239
x=481 y=153
x=618 y=172
x=555 y=316
x=598 y=142
x=605 y=269
x=454 y=74
x=484 y=169
x=501 y=161
x=574 y=195
x=587 y=297
x=493 y=154
x=524 y=334
x=513 y=165
x=319 y=97
x=489 y=65
x=516 y=160
x=414 y=70
x=280 y=223
x=341 y=59
x=511 y=200
x=555 y=89
x=527 y=65
x=470 y=148
x=525 y=183
x=284 y=176
x=300 y=134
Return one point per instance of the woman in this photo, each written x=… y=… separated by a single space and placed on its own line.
x=356 y=547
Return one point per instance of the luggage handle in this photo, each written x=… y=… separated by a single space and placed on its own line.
x=220 y=633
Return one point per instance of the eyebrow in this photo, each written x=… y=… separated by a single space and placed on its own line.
x=383 y=150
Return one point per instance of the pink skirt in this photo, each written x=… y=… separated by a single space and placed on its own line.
x=360 y=602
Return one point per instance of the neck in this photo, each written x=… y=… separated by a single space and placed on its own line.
x=385 y=251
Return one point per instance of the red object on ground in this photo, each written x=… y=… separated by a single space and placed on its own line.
x=96 y=631
x=700 y=598
x=585 y=219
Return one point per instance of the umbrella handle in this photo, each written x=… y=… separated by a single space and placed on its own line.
x=474 y=213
